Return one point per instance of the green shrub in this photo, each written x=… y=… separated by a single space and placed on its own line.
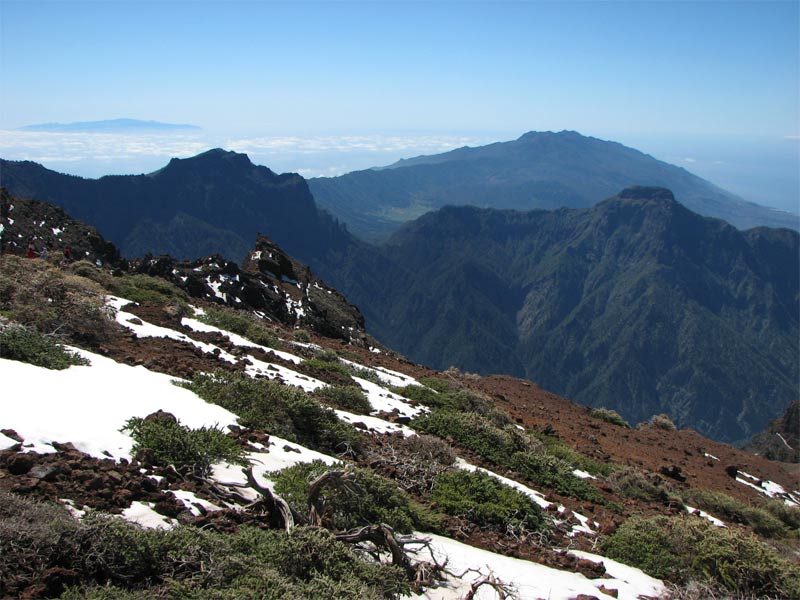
x=487 y=502
x=107 y=558
x=279 y=409
x=366 y=374
x=559 y=449
x=683 y=549
x=545 y=469
x=325 y=365
x=731 y=510
x=789 y=515
x=414 y=462
x=423 y=395
x=507 y=447
x=162 y=438
x=28 y=345
x=609 y=416
x=635 y=483
x=475 y=432
x=439 y=393
x=661 y=421
x=240 y=323
x=372 y=499
x=346 y=397
x=142 y=288
x=301 y=335
x=326 y=355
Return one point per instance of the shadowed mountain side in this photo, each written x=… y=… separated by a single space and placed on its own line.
x=215 y=202
x=539 y=170
x=636 y=304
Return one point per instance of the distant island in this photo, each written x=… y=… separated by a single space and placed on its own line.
x=110 y=126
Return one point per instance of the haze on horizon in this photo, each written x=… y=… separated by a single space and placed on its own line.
x=323 y=88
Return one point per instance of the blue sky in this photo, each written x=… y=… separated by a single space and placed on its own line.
x=663 y=76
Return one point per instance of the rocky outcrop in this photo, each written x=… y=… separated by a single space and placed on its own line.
x=51 y=231
x=269 y=282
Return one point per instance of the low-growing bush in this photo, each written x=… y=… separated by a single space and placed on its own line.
x=326 y=355
x=661 y=421
x=28 y=345
x=279 y=409
x=240 y=323
x=301 y=335
x=635 y=483
x=438 y=393
x=145 y=288
x=609 y=416
x=106 y=558
x=475 y=432
x=414 y=462
x=346 y=397
x=684 y=549
x=559 y=449
x=161 y=439
x=418 y=393
x=545 y=469
x=731 y=510
x=325 y=365
x=371 y=499
x=789 y=515
x=487 y=502
x=366 y=374
x=507 y=447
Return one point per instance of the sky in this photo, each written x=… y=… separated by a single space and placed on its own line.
x=327 y=87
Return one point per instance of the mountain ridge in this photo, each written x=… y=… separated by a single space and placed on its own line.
x=537 y=170
x=443 y=301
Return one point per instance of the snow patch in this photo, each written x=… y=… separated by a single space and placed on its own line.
x=191 y=501
x=701 y=513
x=88 y=405
x=143 y=514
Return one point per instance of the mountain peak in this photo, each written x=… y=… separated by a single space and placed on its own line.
x=641 y=192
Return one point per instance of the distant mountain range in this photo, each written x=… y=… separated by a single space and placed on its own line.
x=110 y=126
x=636 y=304
x=538 y=170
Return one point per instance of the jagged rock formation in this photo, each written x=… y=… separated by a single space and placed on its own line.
x=24 y=221
x=269 y=282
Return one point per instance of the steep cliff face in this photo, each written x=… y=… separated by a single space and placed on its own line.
x=636 y=304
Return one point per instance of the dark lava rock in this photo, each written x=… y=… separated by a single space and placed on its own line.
x=19 y=464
